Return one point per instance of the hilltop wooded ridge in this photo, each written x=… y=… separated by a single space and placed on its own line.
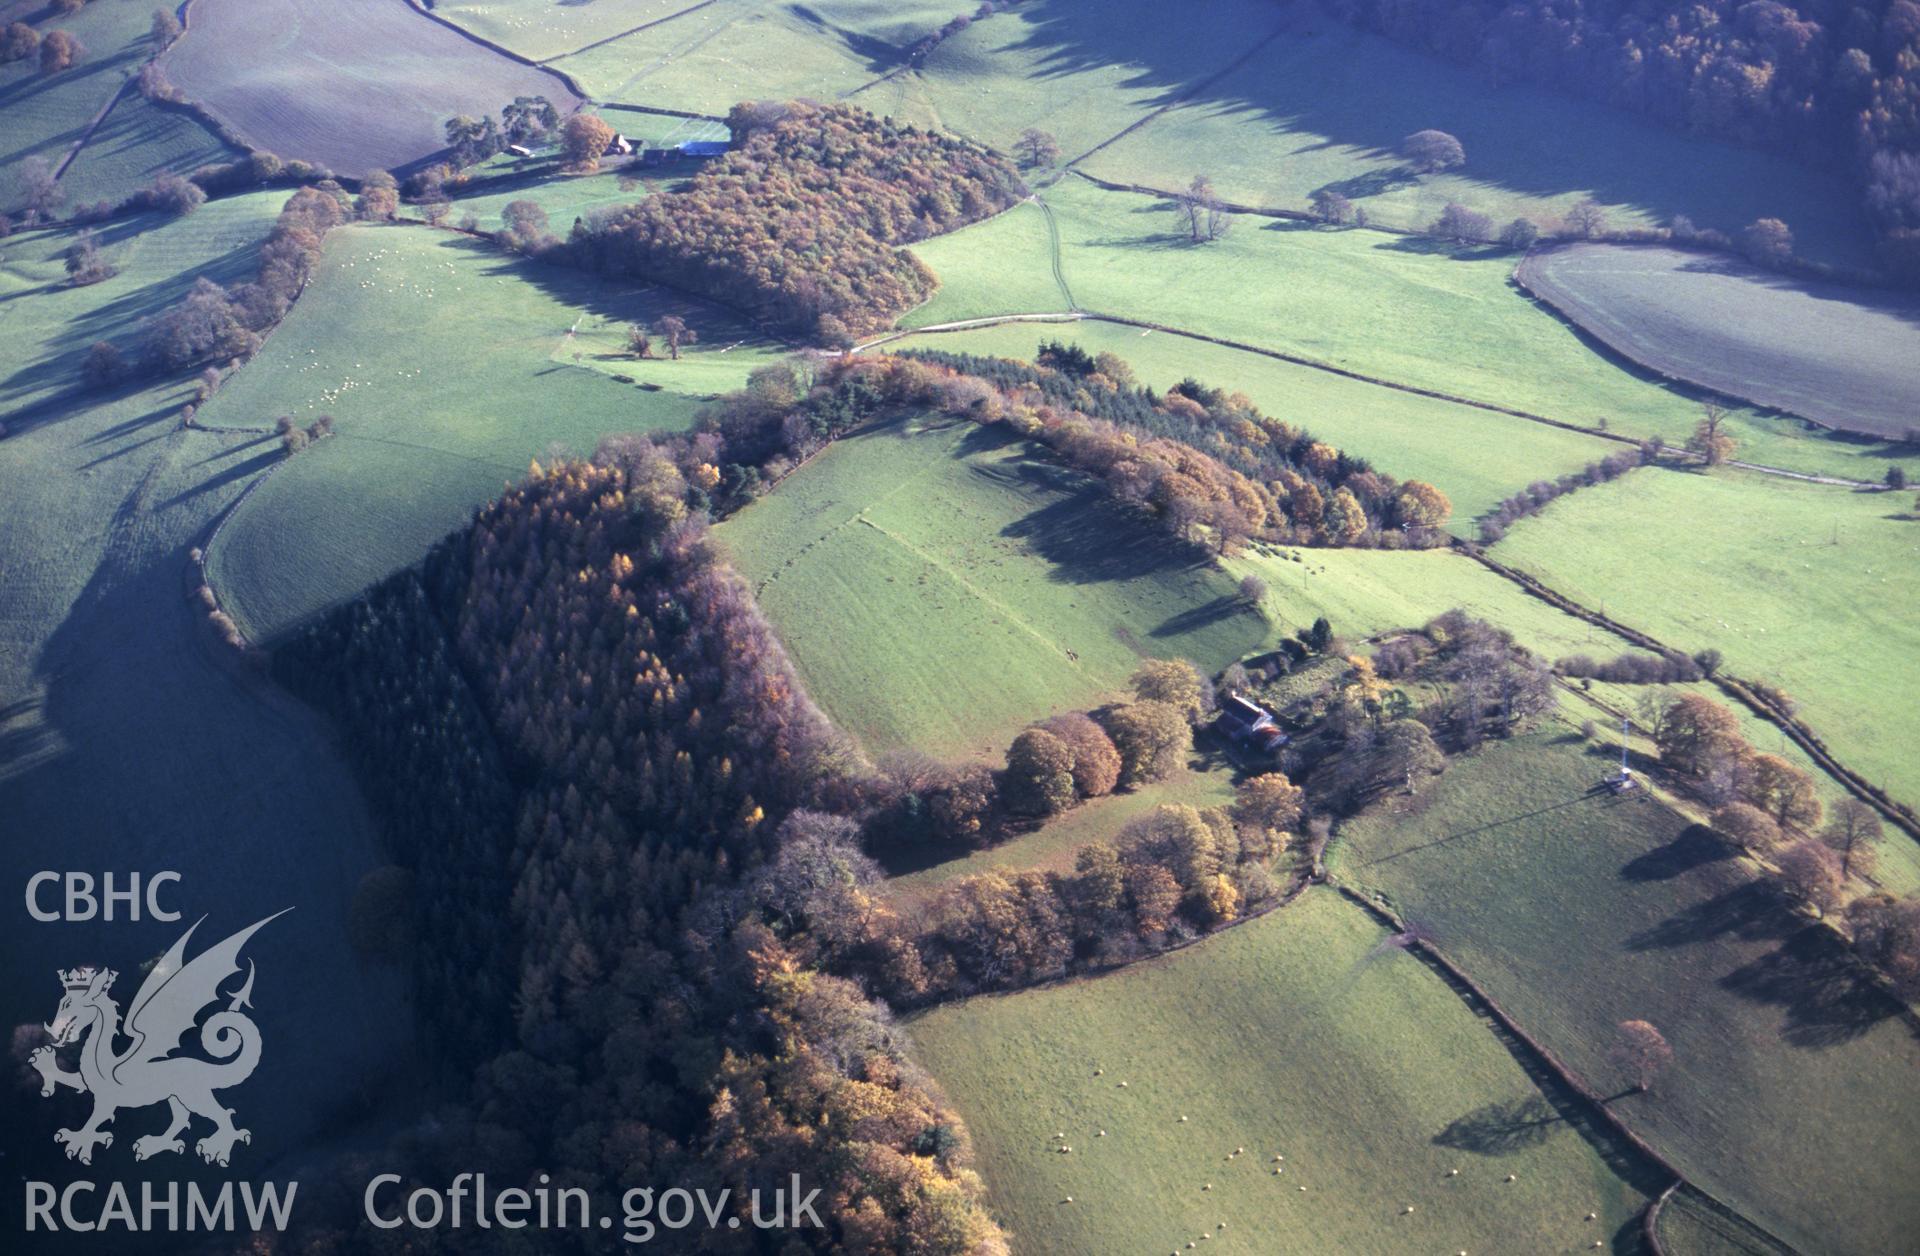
x=797 y=226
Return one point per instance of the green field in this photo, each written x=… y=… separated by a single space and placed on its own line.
x=447 y=365
x=1804 y=586
x=713 y=56
x=129 y=743
x=47 y=115
x=543 y=29
x=1405 y=310
x=1327 y=106
x=940 y=586
x=1475 y=457
x=1001 y=265
x=1304 y=1034
x=1842 y=356
x=1053 y=845
x=1577 y=911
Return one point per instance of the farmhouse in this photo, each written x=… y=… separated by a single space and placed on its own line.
x=519 y=150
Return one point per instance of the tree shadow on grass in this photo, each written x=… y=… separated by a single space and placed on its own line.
x=1819 y=984
x=1196 y=618
x=1752 y=911
x=1502 y=1129
x=1695 y=847
x=1089 y=540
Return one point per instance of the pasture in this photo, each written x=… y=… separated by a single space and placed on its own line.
x=940 y=585
x=1476 y=457
x=1305 y=1034
x=1843 y=357
x=1326 y=106
x=710 y=57
x=1807 y=587
x=541 y=30
x=129 y=742
x=447 y=366
x=352 y=88
x=1578 y=910
x=1053 y=845
x=1411 y=311
x=135 y=140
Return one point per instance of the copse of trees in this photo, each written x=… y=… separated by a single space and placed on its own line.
x=798 y=226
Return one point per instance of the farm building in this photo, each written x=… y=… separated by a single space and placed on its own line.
x=621 y=144
x=519 y=150
x=1248 y=725
x=702 y=148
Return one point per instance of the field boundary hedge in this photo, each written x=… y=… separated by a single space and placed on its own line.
x=501 y=49
x=1900 y=814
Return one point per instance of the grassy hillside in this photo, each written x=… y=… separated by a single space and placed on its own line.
x=1004 y=265
x=939 y=587
x=1578 y=911
x=1804 y=586
x=47 y=115
x=1475 y=457
x=129 y=743
x=713 y=56
x=1304 y=1034
x=540 y=29
x=447 y=365
x=1406 y=310
x=1327 y=106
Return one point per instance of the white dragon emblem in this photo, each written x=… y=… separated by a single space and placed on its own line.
x=164 y=1011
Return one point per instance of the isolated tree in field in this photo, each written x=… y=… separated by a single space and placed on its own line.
x=1642 y=1051
x=435 y=211
x=1810 y=873
x=1175 y=682
x=1782 y=790
x=379 y=197
x=1096 y=764
x=585 y=139
x=1206 y=219
x=1252 y=590
x=1520 y=235
x=1331 y=207
x=1767 y=241
x=1039 y=779
x=1269 y=801
x=1433 y=151
x=40 y=190
x=58 y=51
x=19 y=42
x=1457 y=222
x=674 y=330
x=1692 y=730
x=1036 y=148
x=85 y=263
x=1747 y=827
x=1710 y=438
x=1586 y=219
x=639 y=341
x=166 y=27
x=105 y=364
x=1853 y=833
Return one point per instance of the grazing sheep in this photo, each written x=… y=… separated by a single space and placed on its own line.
x=1277 y=1172
x=1513 y=1177
x=1593 y=1216
x=1407 y=1210
x=1207 y=1187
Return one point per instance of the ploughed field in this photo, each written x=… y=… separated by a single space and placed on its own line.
x=1844 y=357
x=351 y=87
